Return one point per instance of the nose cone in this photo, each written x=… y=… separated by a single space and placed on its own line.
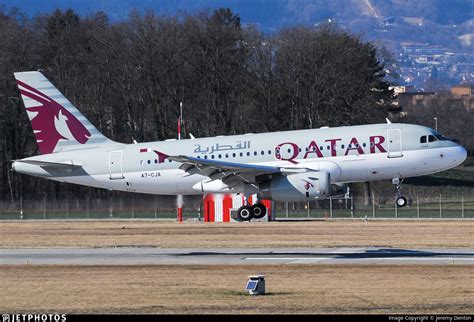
x=460 y=155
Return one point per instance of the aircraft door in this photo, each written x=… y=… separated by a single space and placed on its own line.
x=394 y=143
x=115 y=165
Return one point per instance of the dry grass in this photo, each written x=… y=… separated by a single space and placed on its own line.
x=389 y=233
x=220 y=289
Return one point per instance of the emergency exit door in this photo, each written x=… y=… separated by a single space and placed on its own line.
x=394 y=139
x=115 y=165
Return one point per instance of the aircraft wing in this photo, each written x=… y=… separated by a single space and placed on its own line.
x=231 y=173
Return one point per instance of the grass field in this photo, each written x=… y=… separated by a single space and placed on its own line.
x=220 y=289
x=327 y=233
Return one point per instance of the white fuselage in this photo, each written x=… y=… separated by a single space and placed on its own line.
x=349 y=154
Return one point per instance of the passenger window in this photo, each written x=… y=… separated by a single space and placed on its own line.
x=241 y=154
x=423 y=139
x=248 y=154
x=255 y=153
x=149 y=161
x=431 y=138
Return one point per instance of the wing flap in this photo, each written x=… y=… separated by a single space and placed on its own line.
x=191 y=161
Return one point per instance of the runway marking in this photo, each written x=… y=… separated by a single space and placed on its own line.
x=378 y=259
x=288 y=258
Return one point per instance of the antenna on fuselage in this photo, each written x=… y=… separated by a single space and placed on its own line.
x=180 y=119
x=388 y=121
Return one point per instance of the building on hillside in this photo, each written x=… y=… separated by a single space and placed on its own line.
x=463 y=94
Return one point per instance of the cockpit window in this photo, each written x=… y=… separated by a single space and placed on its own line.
x=431 y=138
x=440 y=137
x=423 y=139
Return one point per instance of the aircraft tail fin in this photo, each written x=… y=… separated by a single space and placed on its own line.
x=57 y=124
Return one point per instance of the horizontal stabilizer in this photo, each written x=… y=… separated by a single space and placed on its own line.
x=58 y=165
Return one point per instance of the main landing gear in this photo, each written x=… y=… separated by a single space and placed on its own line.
x=247 y=212
x=401 y=201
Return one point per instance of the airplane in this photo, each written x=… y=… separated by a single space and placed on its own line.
x=299 y=165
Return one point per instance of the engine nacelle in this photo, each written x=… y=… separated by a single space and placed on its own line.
x=297 y=187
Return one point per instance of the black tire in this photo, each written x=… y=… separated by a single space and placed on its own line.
x=401 y=202
x=245 y=213
x=259 y=211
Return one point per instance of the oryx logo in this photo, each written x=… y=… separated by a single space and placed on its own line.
x=308 y=185
x=51 y=122
x=161 y=156
x=5 y=317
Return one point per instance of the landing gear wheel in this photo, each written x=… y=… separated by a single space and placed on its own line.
x=245 y=213
x=401 y=202
x=259 y=211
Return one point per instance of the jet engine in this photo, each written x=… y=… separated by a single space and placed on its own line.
x=297 y=187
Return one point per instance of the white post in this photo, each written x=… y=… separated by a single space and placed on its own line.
x=462 y=206
x=396 y=209
x=88 y=207
x=440 y=211
x=352 y=206
x=111 y=212
x=287 y=209
x=44 y=207
x=373 y=205
x=330 y=207
x=417 y=206
x=307 y=205
x=132 y=208
x=21 y=207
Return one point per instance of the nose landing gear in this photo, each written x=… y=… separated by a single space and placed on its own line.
x=401 y=201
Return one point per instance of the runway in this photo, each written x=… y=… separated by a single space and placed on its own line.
x=234 y=256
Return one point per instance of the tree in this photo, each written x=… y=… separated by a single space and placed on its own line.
x=128 y=79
